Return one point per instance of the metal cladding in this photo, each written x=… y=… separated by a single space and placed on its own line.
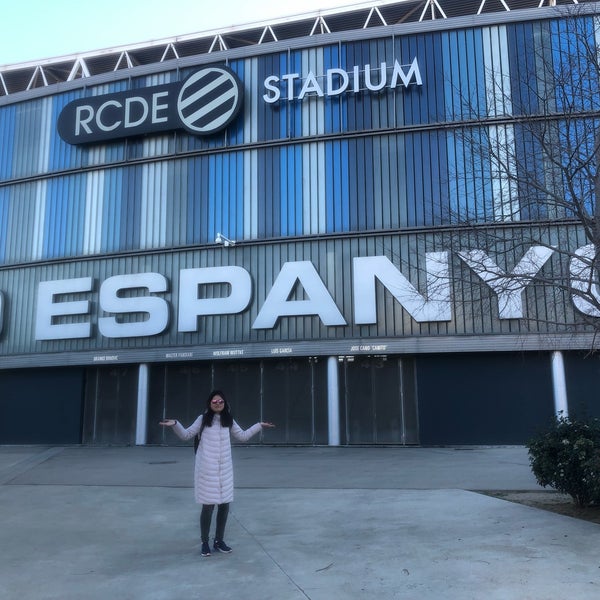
x=312 y=154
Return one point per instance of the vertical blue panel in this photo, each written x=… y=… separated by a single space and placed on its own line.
x=290 y=165
x=440 y=172
x=62 y=155
x=235 y=131
x=236 y=204
x=360 y=199
x=416 y=157
x=528 y=151
x=425 y=197
x=272 y=118
x=479 y=74
x=7 y=140
x=197 y=200
x=131 y=209
x=213 y=198
x=408 y=49
x=28 y=122
x=575 y=64
x=64 y=217
x=4 y=214
x=269 y=190
x=336 y=186
x=335 y=106
x=111 y=210
x=177 y=201
x=290 y=121
x=286 y=168
x=472 y=81
x=361 y=109
x=522 y=57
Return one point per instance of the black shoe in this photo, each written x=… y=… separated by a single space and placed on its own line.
x=205 y=549
x=221 y=546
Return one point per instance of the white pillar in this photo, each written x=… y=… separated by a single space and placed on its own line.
x=141 y=424
x=559 y=385
x=333 y=401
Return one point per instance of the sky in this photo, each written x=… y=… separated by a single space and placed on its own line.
x=36 y=29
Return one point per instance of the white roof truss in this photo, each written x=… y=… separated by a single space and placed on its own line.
x=432 y=6
x=34 y=74
x=267 y=29
x=506 y=7
x=374 y=11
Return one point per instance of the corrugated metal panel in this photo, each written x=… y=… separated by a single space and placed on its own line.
x=474 y=306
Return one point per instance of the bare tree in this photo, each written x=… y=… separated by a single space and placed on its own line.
x=539 y=146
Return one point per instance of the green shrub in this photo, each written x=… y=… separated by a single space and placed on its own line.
x=566 y=457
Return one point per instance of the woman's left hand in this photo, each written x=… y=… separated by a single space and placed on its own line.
x=267 y=425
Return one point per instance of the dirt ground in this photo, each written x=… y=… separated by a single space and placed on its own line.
x=550 y=500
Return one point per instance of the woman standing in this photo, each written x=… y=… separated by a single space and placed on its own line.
x=213 y=469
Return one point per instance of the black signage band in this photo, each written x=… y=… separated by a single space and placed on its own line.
x=204 y=103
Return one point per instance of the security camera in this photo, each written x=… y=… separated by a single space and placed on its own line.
x=221 y=239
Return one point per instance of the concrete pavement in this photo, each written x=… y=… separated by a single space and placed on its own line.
x=318 y=523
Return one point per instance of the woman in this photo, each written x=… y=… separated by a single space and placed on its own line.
x=213 y=469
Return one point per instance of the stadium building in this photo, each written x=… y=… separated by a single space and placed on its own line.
x=296 y=212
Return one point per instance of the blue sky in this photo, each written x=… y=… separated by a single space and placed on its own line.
x=37 y=29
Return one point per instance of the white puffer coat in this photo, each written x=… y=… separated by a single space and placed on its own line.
x=213 y=469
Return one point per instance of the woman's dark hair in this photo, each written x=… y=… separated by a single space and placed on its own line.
x=226 y=418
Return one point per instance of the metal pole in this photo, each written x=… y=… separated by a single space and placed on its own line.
x=141 y=425
x=559 y=385
x=333 y=401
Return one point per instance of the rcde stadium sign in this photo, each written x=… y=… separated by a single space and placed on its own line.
x=209 y=99
x=203 y=104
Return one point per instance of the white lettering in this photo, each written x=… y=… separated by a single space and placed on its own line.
x=273 y=94
x=102 y=108
x=436 y=308
x=156 y=308
x=337 y=81
x=382 y=78
x=289 y=79
x=583 y=282
x=83 y=122
x=298 y=291
x=48 y=311
x=191 y=307
x=406 y=78
x=137 y=100
x=156 y=107
x=343 y=80
x=310 y=85
x=509 y=289
x=319 y=303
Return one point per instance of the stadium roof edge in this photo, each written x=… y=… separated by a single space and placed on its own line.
x=27 y=76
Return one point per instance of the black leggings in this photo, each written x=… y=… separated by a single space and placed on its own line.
x=206 y=517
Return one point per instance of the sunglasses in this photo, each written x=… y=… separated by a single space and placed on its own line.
x=217 y=401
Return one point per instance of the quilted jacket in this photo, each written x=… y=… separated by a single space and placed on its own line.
x=213 y=469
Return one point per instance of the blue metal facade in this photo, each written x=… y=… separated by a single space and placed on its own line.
x=356 y=162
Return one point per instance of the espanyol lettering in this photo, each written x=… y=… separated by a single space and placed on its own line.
x=204 y=103
x=135 y=306
x=337 y=81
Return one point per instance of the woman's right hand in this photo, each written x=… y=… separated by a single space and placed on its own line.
x=167 y=422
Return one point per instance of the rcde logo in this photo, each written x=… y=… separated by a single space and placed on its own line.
x=208 y=100
x=204 y=103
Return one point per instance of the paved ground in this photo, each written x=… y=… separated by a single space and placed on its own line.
x=318 y=523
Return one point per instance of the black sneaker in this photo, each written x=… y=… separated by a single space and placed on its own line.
x=221 y=546
x=205 y=549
